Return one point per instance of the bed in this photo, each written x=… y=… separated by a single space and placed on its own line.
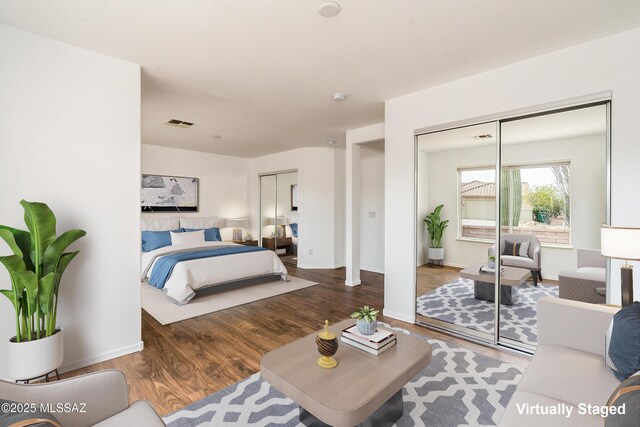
x=182 y=269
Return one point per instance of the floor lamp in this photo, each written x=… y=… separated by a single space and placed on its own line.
x=622 y=243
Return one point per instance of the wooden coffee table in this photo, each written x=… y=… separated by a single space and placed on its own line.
x=362 y=390
x=484 y=283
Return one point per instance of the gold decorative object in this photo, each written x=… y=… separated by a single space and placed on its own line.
x=327 y=345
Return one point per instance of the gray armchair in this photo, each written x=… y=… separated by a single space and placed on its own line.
x=580 y=284
x=103 y=396
x=531 y=261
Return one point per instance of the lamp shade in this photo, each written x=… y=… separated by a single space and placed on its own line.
x=620 y=242
x=237 y=223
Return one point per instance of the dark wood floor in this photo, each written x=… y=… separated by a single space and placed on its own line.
x=186 y=361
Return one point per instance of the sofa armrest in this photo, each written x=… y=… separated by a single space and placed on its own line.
x=100 y=394
x=578 y=325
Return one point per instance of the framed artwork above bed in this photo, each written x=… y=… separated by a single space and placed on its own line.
x=161 y=193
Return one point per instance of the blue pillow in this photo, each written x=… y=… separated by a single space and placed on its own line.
x=210 y=234
x=624 y=345
x=294 y=229
x=156 y=239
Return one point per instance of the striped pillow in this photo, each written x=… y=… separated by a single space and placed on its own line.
x=516 y=249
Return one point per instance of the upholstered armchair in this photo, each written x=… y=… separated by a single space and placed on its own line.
x=100 y=398
x=580 y=284
x=530 y=262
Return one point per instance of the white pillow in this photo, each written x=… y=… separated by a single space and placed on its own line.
x=524 y=249
x=187 y=237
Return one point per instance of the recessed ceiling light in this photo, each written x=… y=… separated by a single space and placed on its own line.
x=216 y=136
x=329 y=9
x=339 y=97
x=331 y=142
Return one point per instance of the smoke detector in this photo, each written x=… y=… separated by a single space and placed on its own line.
x=179 y=123
x=331 y=142
x=329 y=9
x=339 y=97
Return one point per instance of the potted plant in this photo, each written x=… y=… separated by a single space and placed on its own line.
x=435 y=228
x=35 y=270
x=366 y=323
x=492 y=262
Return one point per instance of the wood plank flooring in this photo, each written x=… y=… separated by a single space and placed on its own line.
x=186 y=361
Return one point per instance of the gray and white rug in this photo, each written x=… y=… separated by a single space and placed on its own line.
x=454 y=303
x=459 y=387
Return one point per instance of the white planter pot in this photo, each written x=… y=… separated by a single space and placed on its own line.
x=32 y=359
x=435 y=254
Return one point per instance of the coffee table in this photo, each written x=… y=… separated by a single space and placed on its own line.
x=484 y=283
x=362 y=390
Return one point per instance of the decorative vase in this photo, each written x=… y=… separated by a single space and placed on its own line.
x=435 y=254
x=366 y=328
x=491 y=264
x=33 y=359
x=327 y=345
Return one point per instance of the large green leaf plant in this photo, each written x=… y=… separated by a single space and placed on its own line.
x=435 y=227
x=35 y=268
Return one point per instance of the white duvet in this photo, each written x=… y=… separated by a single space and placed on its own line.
x=189 y=276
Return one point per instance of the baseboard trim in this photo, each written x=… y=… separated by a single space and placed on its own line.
x=398 y=316
x=320 y=267
x=352 y=284
x=87 y=361
x=372 y=270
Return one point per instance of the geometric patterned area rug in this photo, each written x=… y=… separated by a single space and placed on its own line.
x=459 y=387
x=454 y=303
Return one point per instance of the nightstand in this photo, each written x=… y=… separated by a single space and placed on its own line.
x=283 y=243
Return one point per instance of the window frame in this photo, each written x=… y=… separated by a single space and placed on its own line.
x=519 y=166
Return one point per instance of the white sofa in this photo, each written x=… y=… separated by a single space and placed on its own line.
x=568 y=366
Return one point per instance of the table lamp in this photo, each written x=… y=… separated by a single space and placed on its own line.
x=238 y=224
x=622 y=243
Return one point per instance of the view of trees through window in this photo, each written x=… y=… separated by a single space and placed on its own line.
x=535 y=200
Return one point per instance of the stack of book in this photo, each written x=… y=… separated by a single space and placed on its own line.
x=485 y=269
x=377 y=343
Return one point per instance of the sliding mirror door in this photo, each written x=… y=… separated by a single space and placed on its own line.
x=268 y=210
x=279 y=214
x=553 y=200
x=524 y=196
x=456 y=169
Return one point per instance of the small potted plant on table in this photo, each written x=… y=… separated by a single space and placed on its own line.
x=366 y=323
x=492 y=262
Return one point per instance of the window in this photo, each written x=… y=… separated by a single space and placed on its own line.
x=535 y=200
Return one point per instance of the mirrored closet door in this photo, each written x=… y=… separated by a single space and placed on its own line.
x=524 y=197
x=279 y=214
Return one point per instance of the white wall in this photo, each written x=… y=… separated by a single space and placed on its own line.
x=70 y=137
x=602 y=65
x=224 y=180
x=588 y=194
x=320 y=205
x=371 y=201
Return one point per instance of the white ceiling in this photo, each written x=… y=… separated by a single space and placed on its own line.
x=260 y=73
x=548 y=127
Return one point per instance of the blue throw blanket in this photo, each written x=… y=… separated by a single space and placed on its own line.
x=164 y=266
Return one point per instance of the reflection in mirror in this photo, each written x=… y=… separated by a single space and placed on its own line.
x=456 y=169
x=554 y=197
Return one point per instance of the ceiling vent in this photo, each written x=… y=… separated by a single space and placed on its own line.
x=179 y=123
x=483 y=136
